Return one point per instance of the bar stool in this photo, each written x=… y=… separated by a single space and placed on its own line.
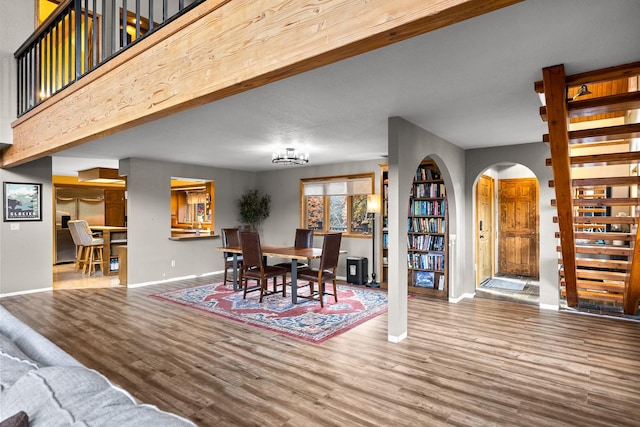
x=89 y=249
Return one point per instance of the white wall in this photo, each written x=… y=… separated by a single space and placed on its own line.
x=533 y=157
x=26 y=253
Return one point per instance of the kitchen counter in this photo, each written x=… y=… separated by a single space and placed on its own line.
x=190 y=234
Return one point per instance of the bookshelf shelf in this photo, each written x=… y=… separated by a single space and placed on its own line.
x=427 y=232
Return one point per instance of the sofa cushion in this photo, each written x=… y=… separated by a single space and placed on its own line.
x=76 y=396
x=18 y=420
x=13 y=363
x=31 y=343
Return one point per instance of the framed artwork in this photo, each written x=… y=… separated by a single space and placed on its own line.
x=22 y=201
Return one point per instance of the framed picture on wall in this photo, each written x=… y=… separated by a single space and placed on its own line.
x=22 y=201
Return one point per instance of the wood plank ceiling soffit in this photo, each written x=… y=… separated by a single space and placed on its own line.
x=231 y=46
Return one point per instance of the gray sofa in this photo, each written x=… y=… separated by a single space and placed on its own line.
x=54 y=389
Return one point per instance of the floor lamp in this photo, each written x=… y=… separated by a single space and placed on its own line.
x=373 y=207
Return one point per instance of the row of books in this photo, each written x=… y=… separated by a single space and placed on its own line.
x=432 y=190
x=385 y=240
x=426 y=225
x=427 y=242
x=425 y=174
x=427 y=207
x=428 y=261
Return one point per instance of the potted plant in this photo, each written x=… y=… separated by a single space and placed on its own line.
x=254 y=208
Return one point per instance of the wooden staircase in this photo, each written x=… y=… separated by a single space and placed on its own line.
x=596 y=181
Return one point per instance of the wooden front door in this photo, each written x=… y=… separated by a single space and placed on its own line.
x=518 y=225
x=484 y=228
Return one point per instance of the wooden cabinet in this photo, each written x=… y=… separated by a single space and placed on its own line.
x=427 y=231
x=114 y=208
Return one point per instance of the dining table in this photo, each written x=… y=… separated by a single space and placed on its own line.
x=289 y=252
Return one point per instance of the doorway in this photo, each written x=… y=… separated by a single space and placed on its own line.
x=507 y=234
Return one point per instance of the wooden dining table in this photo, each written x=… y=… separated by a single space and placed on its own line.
x=288 y=252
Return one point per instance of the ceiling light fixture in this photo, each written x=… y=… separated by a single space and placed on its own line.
x=584 y=90
x=290 y=157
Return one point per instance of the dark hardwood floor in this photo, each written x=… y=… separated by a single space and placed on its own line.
x=475 y=363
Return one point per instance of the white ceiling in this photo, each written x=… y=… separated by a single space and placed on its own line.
x=470 y=83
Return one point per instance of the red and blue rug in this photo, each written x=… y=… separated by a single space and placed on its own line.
x=306 y=320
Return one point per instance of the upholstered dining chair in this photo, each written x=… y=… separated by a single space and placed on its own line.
x=231 y=237
x=325 y=272
x=88 y=248
x=254 y=267
x=304 y=239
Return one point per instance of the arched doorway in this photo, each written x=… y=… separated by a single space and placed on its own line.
x=507 y=233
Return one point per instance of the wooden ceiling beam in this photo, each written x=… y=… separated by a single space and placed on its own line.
x=219 y=49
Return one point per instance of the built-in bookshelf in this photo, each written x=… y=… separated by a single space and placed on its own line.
x=427 y=232
x=384 y=223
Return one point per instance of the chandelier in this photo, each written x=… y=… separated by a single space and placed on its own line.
x=290 y=157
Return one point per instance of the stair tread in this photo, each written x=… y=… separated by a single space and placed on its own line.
x=608 y=133
x=601 y=202
x=602 y=219
x=597 y=296
x=623 y=158
x=615 y=264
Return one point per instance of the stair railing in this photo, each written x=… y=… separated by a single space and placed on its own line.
x=79 y=36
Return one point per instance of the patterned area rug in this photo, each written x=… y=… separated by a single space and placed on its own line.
x=305 y=320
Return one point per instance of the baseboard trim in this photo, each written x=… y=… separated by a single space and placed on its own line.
x=461 y=297
x=396 y=339
x=30 y=291
x=549 y=307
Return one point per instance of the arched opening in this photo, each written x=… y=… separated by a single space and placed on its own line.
x=506 y=233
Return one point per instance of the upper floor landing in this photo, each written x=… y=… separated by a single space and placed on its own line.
x=131 y=71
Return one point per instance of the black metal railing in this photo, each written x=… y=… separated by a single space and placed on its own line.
x=79 y=36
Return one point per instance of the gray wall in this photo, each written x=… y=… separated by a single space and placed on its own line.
x=26 y=253
x=408 y=146
x=283 y=185
x=533 y=157
x=150 y=251
x=16 y=25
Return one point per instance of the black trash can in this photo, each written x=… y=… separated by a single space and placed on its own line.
x=357 y=270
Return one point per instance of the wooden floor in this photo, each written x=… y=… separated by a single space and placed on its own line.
x=475 y=363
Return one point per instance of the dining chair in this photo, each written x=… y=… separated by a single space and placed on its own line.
x=325 y=272
x=255 y=268
x=89 y=249
x=231 y=238
x=303 y=239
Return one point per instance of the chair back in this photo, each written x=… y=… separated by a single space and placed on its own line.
x=80 y=232
x=251 y=250
x=230 y=237
x=330 y=252
x=304 y=238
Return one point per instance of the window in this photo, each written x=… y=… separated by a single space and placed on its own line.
x=336 y=204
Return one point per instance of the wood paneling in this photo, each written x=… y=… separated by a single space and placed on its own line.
x=478 y=362
x=219 y=49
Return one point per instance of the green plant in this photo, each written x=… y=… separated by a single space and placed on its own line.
x=254 y=208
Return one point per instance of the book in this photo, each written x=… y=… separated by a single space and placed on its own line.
x=423 y=279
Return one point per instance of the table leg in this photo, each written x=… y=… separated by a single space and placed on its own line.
x=294 y=281
x=235 y=272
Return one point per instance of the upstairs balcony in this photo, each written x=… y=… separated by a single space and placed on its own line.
x=89 y=72
x=81 y=35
